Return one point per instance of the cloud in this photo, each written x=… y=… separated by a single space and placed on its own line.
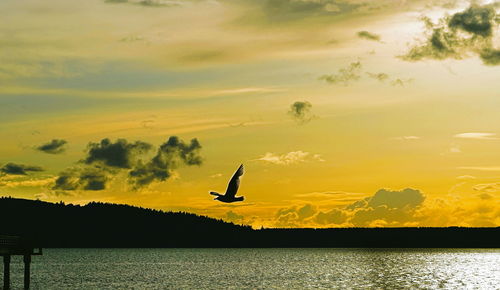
x=396 y=208
x=368 y=35
x=476 y=135
x=27 y=183
x=378 y=76
x=333 y=216
x=490 y=56
x=56 y=146
x=309 y=12
x=86 y=178
x=325 y=194
x=384 y=208
x=19 y=169
x=106 y=160
x=301 y=112
x=476 y=20
x=401 y=82
x=289 y=158
x=487 y=187
x=353 y=73
x=147 y=3
x=120 y=154
x=480 y=168
x=345 y=75
x=457 y=36
x=382 y=77
x=407 y=138
x=486 y=191
x=454 y=148
x=294 y=216
x=170 y=156
x=234 y=217
x=396 y=199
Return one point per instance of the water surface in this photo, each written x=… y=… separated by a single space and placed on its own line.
x=262 y=268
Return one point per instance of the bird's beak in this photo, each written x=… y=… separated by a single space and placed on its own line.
x=216 y=198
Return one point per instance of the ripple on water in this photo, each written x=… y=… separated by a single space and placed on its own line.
x=262 y=269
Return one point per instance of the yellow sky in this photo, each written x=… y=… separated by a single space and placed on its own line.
x=334 y=106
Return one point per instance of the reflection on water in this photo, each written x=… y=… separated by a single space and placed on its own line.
x=262 y=268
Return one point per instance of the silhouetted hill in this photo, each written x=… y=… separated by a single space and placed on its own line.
x=112 y=225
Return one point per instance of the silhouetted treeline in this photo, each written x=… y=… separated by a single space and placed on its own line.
x=112 y=225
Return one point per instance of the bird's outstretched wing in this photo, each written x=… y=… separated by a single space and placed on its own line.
x=215 y=193
x=234 y=183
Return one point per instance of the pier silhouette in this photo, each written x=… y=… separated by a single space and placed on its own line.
x=14 y=245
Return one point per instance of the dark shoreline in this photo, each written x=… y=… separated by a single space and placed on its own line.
x=101 y=225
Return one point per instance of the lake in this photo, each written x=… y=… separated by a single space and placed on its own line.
x=261 y=268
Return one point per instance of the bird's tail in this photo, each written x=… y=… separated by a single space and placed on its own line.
x=239 y=198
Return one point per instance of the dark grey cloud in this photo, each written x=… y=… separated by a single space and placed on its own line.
x=476 y=20
x=459 y=35
x=87 y=178
x=106 y=160
x=368 y=35
x=490 y=56
x=56 y=146
x=300 y=112
x=19 y=169
x=170 y=156
x=345 y=75
x=118 y=154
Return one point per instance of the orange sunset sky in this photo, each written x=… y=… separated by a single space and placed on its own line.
x=344 y=112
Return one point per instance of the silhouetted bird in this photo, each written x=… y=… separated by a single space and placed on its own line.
x=232 y=188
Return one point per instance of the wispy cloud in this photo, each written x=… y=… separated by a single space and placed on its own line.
x=454 y=148
x=476 y=135
x=354 y=72
x=480 y=168
x=329 y=195
x=289 y=158
x=27 y=183
x=411 y=137
x=247 y=90
x=345 y=75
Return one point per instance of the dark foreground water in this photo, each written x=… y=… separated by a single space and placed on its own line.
x=262 y=268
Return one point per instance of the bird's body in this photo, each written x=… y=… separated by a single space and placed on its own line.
x=232 y=188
